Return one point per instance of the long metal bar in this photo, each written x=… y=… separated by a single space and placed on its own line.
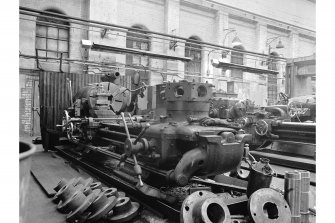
x=105 y=48
x=298 y=124
x=62 y=16
x=245 y=68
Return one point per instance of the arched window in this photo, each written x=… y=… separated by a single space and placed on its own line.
x=237 y=58
x=194 y=66
x=52 y=37
x=136 y=40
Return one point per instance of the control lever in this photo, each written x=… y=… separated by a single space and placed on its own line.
x=129 y=151
x=132 y=122
x=141 y=133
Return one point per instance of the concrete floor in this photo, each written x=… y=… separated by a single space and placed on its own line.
x=40 y=208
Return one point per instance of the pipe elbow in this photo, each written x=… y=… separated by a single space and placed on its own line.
x=191 y=162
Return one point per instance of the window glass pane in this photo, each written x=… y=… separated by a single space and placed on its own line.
x=144 y=46
x=63 y=34
x=42 y=53
x=145 y=61
x=41 y=30
x=63 y=46
x=53 y=32
x=52 y=44
x=51 y=54
x=136 y=59
x=40 y=43
x=135 y=45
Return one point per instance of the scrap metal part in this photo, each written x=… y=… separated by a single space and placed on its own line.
x=260 y=176
x=204 y=206
x=124 y=210
x=268 y=206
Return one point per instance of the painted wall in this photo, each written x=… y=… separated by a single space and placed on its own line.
x=297 y=12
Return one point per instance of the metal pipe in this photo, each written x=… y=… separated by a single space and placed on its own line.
x=297 y=124
x=292 y=194
x=106 y=48
x=116 y=133
x=304 y=201
x=62 y=17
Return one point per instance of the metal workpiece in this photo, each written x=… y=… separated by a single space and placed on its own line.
x=111 y=192
x=85 y=182
x=77 y=214
x=63 y=182
x=304 y=199
x=72 y=203
x=96 y=185
x=66 y=192
x=305 y=187
x=292 y=193
x=204 y=206
x=88 y=190
x=268 y=206
x=124 y=210
x=101 y=206
x=260 y=176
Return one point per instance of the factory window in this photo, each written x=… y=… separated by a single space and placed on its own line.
x=237 y=58
x=141 y=41
x=52 y=37
x=272 y=89
x=193 y=67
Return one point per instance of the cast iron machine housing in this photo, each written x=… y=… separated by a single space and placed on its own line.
x=176 y=143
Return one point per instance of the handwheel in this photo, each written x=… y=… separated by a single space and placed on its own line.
x=67 y=125
x=292 y=109
x=261 y=127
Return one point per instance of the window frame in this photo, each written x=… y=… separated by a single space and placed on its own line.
x=47 y=38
